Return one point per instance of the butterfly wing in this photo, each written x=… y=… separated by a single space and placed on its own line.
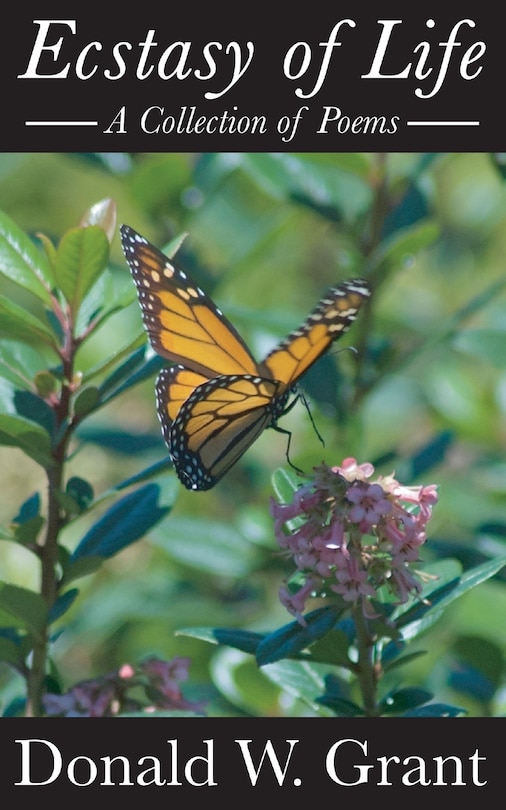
x=217 y=423
x=330 y=319
x=182 y=322
x=173 y=387
x=215 y=401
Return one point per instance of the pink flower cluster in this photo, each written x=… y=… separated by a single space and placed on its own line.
x=118 y=692
x=352 y=536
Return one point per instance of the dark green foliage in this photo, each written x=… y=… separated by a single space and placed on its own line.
x=421 y=394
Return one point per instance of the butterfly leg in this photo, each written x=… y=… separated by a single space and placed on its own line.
x=289 y=434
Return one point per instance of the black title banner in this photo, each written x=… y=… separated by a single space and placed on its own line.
x=172 y=757
x=345 y=78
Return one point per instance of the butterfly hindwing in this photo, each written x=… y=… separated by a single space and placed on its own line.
x=173 y=387
x=218 y=422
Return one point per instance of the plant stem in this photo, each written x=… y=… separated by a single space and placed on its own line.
x=55 y=521
x=370 y=240
x=48 y=591
x=365 y=669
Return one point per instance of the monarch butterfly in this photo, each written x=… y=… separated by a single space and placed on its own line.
x=215 y=399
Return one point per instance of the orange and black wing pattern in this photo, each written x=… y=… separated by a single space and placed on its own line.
x=215 y=400
x=330 y=319
x=182 y=322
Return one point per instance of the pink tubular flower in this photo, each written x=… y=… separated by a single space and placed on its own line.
x=352 y=581
x=352 y=471
x=98 y=697
x=353 y=535
x=295 y=602
x=369 y=505
x=163 y=677
x=108 y=695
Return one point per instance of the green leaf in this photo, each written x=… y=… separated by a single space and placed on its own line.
x=32 y=407
x=430 y=455
x=435 y=710
x=482 y=655
x=124 y=378
x=354 y=162
x=341 y=707
x=484 y=344
x=19 y=364
x=207 y=545
x=83 y=567
x=21 y=262
x=239 y=679
x=7 y=393
x=285 y=483
x=201 y=633
x=49 y=249
x=404 y=659
x=404 y=699
x=81 y=491
x=332 y=184
x=333 y=648
x=409 y=209
x=28 y=437
x=121 y=441
x=27 y=533
x=78 y=496
x=17 y=323
x=292 y=639
x=420 y=617
x=301 y=679
x=22 y=609
x=81 y=258
x=45 y=383
x=62 y=604
x=110 y=293
x=243 y=640
x=86 y=401
x=475 y=576
x=396 y=250
x=126 y=521
x=10 y=652
x=28 y=509
x=134 y=353
x=336 y=698
x=153 y=471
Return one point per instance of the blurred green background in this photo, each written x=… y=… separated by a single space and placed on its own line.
x=267 y=233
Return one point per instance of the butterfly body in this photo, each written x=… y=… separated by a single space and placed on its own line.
x=215 y=399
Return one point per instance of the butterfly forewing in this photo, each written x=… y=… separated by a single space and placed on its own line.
x=330 y=319
x=182 y=322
